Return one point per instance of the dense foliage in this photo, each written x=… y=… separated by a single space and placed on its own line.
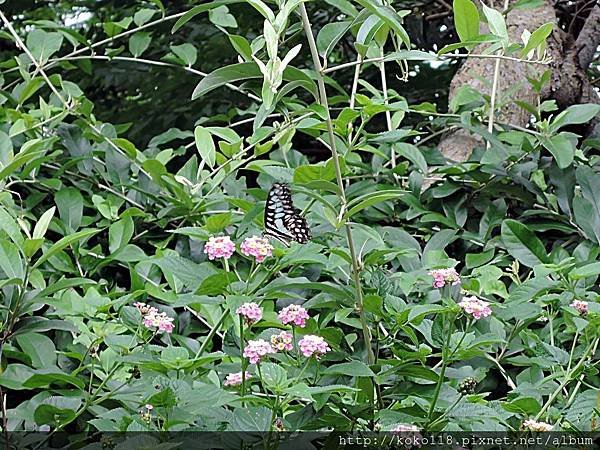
x=137 y=293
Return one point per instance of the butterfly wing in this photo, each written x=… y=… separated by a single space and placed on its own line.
x=282 y=220
x=278 y=208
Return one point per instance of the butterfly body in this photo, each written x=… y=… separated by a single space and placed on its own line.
x=282 y=221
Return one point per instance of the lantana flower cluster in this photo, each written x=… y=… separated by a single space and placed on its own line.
x=256 y=350
x=250 y=311
x=152 y=319
x=580 y=305
x=235 y=379
x=294 y=314
x=476 y=307
x=443 y=277
x=533 y=425
x=224 y=247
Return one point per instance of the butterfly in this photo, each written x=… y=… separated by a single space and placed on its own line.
x=282 y=221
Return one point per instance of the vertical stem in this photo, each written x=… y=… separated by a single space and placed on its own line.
x=357 y=68
x=340 y=182
x=494 y=89
x=493 y=99
x=388 y=114
x=438 y=386
x=242 y=357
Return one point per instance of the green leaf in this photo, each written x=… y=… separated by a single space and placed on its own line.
x=466 y=19
x=43 y=44
x=413 y=154
x=496 y=22
x=251 y=419
x=205 y=146
x=575 y=114
x=139 y=42
x=221 y=17
x=70 y=207
x=370 y=199
x=353 y=369
x=39 y=231
x=390 y=16
x=247 y=71
x=562 y=148
x=330 y=35
x=260 y=6
x=523 y=244
x=589 y=270
x=9 y=225
x=186 y=52
x=63 y=243
x=119 y=234
x=10 y=260
x=142 y=16
x=39 y=348
x=241 y=45
x=537 y=37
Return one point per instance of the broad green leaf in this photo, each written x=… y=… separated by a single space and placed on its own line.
x=370 y=199
x=466 y=19
x=42 y=224
x=523 y=244
x=186 y=52
x=63 y=243
x=260 y=6
x=70 y=207
x=143 y=16
x=10 y=260
x=139 y=42
x=221 y=17
x=562 y=148
x=248 y=71
x=39 y=348
x=119 y=234
x=353 y=369
x=43 y=44
x=537 y=37
x=390 y=16
x=330 y=35
x=205 y=146
x=575 y=114
x=589 y=270
x=496 y=22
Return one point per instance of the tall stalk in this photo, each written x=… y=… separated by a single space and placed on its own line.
x=340 y=182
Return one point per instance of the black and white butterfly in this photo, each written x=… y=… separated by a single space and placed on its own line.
x=282 y=221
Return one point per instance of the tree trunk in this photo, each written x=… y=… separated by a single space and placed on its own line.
x=569 y=83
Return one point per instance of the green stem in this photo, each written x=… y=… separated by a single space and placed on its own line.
x=243 y=391
x=568 y=378
x=340 y=182
x=438 y=386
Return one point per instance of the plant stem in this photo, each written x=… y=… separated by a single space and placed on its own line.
x=243 y=390
x=340 y=182
x=567 y=379
x=438 y=386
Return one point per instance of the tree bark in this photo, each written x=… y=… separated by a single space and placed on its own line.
x=569 y=82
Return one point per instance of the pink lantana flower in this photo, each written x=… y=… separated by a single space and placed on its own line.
x=258 y=247
x=580 y=305
x=256 y=350
x=250 y=311
x=282 y=341
x=219 y=247
x=312 y=345
x=475 y=307
x=235 y=379
x=152 y=319
x=294 y=314
x=441 y=277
